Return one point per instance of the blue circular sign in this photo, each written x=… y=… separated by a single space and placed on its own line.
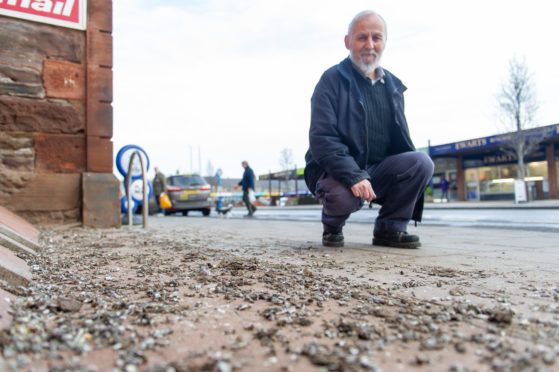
x=124 y=204
x=123 y=159
x=136 y=190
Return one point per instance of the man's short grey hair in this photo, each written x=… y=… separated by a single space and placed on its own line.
x=363 y=14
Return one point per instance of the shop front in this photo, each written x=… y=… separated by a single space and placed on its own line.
x=481 y=170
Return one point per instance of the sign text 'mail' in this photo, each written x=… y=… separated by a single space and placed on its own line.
x=63 y=8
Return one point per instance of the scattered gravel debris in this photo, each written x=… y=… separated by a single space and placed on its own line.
x=190 y=300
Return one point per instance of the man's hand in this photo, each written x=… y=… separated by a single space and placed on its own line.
x=364 y=190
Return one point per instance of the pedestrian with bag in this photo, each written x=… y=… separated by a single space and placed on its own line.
x=159 y=190
x=247 y=185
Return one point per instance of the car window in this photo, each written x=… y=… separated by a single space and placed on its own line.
x=186 y=181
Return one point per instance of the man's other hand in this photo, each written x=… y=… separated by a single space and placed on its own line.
x=363 y=190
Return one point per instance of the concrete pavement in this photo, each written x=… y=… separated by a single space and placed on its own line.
x=516 y=267
x=451 y=243
x=506 y=204
x=456 y=265
x=534 y=253
x=453 y=247
x=510 y=259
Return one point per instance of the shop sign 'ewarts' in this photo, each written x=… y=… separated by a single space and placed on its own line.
x=65 y=13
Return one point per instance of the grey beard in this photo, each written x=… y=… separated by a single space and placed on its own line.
x=364 y=68
x=367 y=69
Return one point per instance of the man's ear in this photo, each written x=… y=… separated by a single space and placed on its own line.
x=346 y=41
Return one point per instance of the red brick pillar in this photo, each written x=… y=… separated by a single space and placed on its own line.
x=551 y=171
x=99 y=86
x=42 y=120
x=100 y=187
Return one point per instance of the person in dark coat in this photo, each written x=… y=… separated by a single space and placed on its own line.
x=159 y=187
x=247 y=185
x=359 y=143
x=444 y=189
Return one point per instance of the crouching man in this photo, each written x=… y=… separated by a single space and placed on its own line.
x=359 y=143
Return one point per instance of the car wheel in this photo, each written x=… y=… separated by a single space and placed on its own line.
x=206 y=212
x=185 y=213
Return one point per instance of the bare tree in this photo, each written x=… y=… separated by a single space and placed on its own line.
x=286 y=159
x=517 y=105
x=286 y=163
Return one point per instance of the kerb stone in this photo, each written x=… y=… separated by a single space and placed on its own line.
x=101 y=207
x=13 y=270
x=4 y=231
x=16 y=246
x=18 y=225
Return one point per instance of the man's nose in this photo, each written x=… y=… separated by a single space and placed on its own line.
x=370 y=43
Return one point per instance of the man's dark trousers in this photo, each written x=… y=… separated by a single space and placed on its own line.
x=250 y=207
x=399 y=181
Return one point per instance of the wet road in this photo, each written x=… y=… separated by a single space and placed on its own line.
x=530 y=219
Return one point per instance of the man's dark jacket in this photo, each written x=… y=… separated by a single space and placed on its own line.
x=247 y=182
x=338 y=132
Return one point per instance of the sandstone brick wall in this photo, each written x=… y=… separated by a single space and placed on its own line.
x=56 y=118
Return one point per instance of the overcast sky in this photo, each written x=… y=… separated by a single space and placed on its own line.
x=221 y=81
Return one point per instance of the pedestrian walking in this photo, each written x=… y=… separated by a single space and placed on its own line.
x=247 y=185
x=159 y=187
x=444 y=189
x=359 y=143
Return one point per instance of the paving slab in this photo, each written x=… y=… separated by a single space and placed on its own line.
x=22 y=239
x=16 y=246
x=13 y=270
x=19 y=225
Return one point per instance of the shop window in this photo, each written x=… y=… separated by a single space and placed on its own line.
x=537 y=169
x=488 y=173
x=506 y=188
x=497 y=180
x=471 y=175
x=445 y=164
x=508 y=171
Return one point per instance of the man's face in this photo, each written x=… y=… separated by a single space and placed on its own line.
x=366 y=42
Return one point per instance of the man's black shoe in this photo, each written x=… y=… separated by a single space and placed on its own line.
x=396 y=239
x=332 y=239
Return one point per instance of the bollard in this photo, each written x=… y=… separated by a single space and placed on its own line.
x=145 y=205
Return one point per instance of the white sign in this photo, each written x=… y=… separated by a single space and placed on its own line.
x=137 y=190
x=520 y=191
x=65 y=13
